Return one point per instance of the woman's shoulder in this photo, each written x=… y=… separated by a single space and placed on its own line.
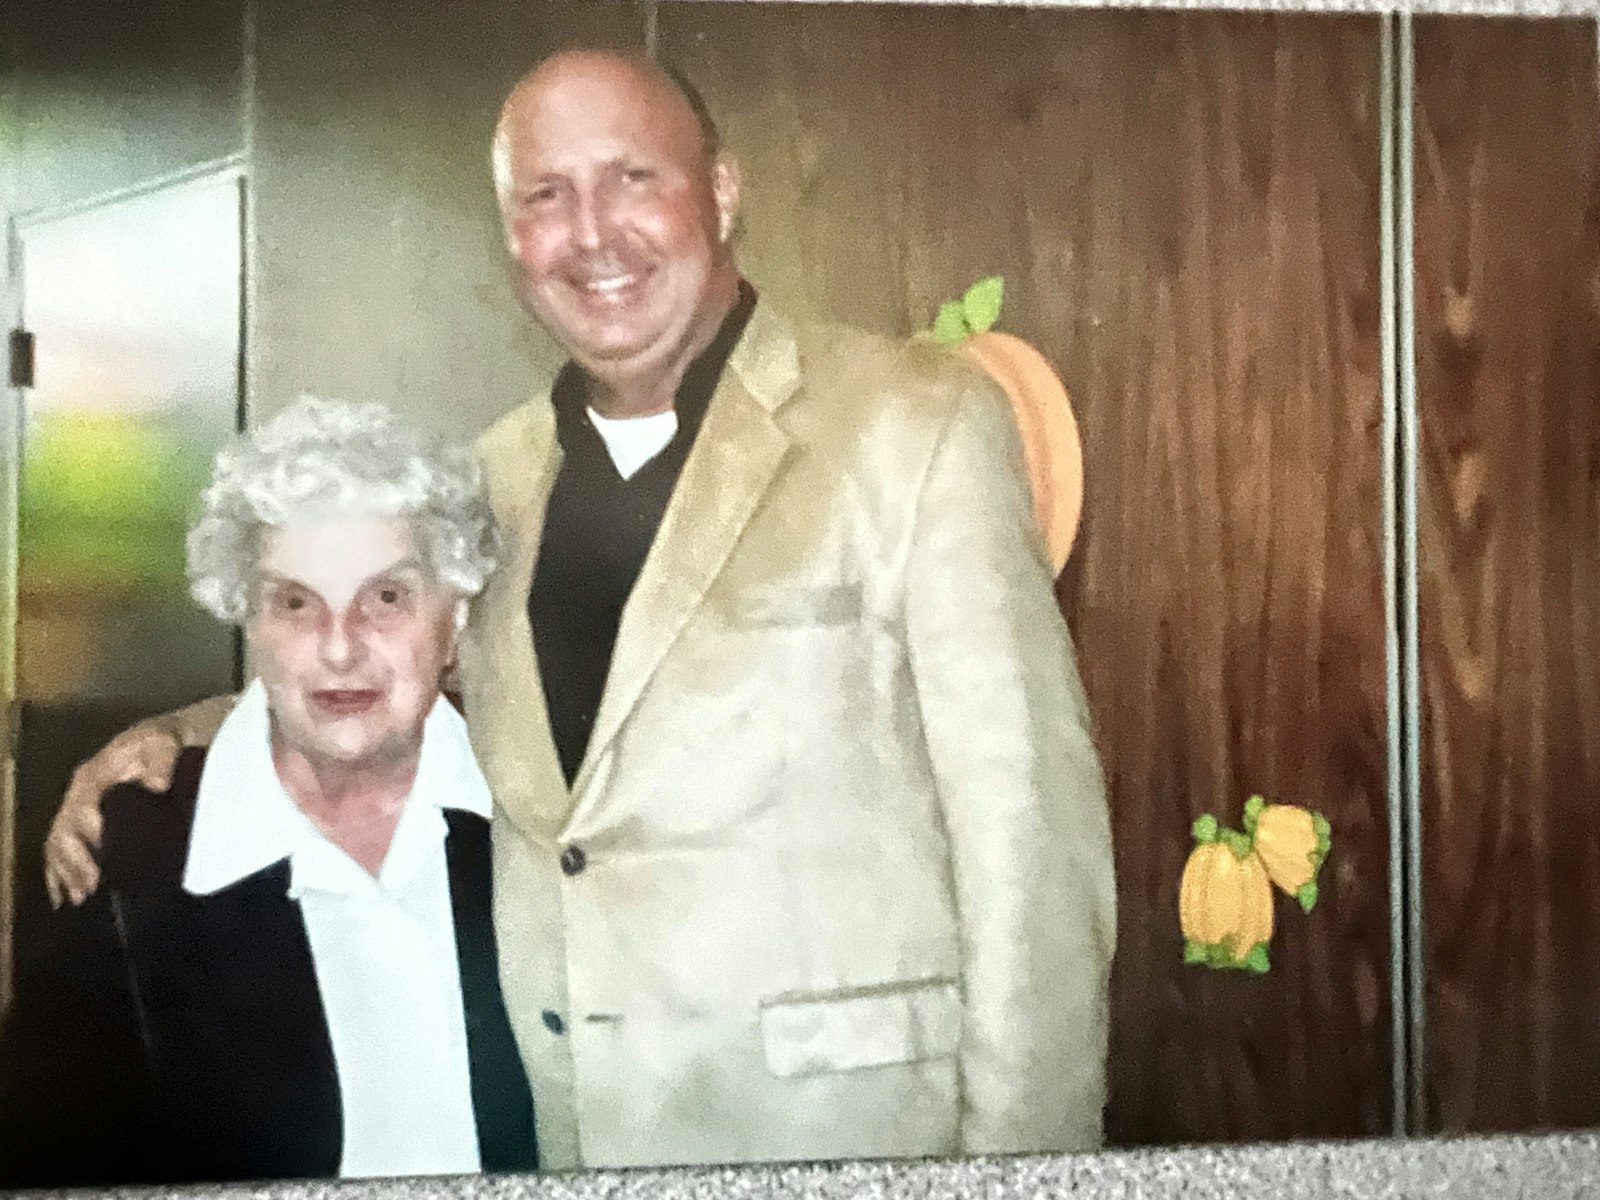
x=145 y=842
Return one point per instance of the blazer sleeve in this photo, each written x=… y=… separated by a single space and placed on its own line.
x=1008 y=733
x=73 y=1080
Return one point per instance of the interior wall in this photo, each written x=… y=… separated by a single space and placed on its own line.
x=379 y=268
x=1507 y=144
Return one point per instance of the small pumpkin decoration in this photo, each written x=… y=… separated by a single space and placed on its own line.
x=1050 y=441
x=1225 y=901
x=1292 y=843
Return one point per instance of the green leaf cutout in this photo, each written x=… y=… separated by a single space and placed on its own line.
x=1307 y=895
x=950 y=325
x=1252 y=813
x=1239 y=843
x=1205 y=829
x=1220 y=956
x=981 y=304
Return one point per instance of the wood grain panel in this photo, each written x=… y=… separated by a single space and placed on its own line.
x=1184 y=207
x=1507 y=137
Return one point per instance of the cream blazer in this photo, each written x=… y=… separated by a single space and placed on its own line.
x=846 y=882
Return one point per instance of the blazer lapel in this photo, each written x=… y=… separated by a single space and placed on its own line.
x=520 y=464
x=735 y=456
x=501 y=1102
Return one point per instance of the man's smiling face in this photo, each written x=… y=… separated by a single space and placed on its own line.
x=614 y=212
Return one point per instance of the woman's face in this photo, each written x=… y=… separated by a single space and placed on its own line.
x=351 y=633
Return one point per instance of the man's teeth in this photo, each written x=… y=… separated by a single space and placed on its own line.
x=609 y=286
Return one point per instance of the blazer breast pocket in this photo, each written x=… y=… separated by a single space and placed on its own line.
x=830 y=604
x=812 y=1035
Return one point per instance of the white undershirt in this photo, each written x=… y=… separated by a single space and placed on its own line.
x=634 y=441
x=383 y=948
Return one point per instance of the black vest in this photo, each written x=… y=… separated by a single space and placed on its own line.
x=598 y=528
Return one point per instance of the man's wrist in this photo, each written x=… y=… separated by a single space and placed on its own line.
x=196 y=724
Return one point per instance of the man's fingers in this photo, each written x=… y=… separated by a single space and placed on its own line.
x=73 y=869
x=70 y=870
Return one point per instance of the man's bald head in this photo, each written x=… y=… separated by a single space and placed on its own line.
x=666 y=84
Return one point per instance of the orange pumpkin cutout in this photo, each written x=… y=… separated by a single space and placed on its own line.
x=1050 y=442
x=1052 y=449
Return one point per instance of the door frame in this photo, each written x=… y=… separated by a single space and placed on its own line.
x=13 y=293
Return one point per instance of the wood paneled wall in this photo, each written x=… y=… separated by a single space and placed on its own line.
x=1185 y=208
x=1507 y=141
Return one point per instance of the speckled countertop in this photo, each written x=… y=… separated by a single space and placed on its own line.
x=1544 y=1167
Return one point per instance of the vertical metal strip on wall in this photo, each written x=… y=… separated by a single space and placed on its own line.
x=10 y=453
x=249 y=108
x=1410 y=676
x=1399 y=1036
x=1407 y=957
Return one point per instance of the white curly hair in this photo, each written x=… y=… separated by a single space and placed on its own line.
x=326 y=456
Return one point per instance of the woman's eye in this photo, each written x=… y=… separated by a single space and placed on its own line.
x=390 y=597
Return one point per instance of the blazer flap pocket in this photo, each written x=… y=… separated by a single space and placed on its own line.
x=831 y=604
x=808 y=1035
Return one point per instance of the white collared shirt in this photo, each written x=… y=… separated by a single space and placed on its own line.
x=383 y=948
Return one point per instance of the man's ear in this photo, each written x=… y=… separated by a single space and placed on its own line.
x=725 y=184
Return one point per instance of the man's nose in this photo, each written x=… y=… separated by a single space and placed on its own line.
x=592 y=220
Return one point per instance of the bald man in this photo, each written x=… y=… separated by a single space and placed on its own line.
x=801 y=843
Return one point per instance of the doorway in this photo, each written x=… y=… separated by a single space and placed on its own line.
x=132 y=309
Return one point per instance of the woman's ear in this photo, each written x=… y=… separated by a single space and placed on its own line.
x=458 y=622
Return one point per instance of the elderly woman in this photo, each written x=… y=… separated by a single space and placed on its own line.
x=290 y=970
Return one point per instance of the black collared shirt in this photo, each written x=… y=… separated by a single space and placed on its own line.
x=598 y=528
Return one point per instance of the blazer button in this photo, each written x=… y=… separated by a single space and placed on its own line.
x=573 y=860
x=553 y=1021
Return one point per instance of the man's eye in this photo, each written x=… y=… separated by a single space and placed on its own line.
x=389 y=595
x=639 y=174
x=290 y=601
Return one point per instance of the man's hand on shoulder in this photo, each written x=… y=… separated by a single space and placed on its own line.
x=144 y=754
